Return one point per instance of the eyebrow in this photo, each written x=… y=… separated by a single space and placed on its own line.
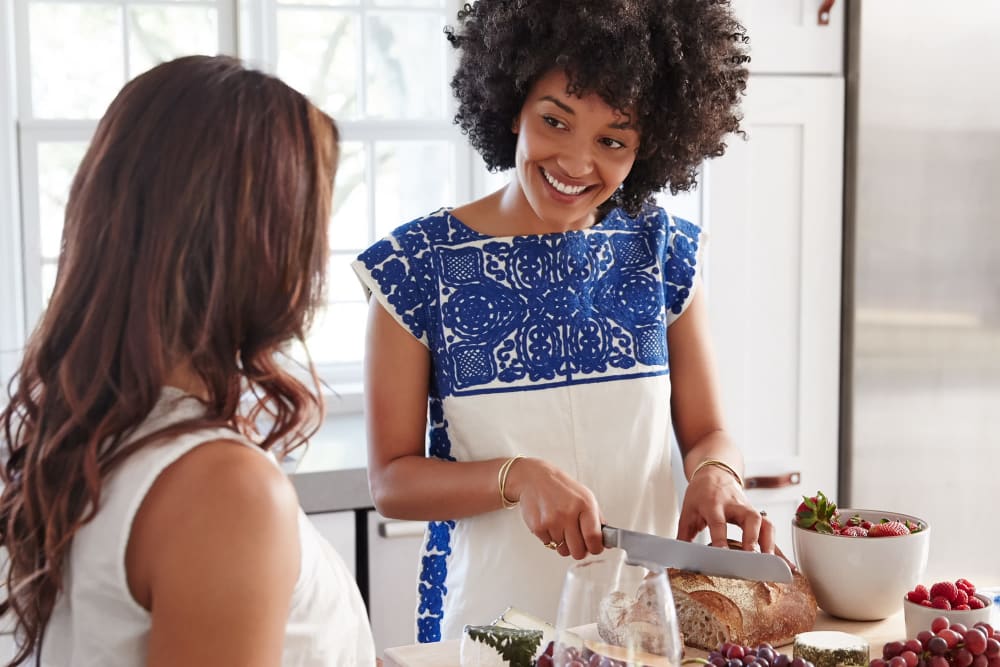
x=568 y=109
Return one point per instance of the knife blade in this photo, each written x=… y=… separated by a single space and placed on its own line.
x=651 y=550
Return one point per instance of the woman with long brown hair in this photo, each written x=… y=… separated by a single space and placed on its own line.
x=145 y=520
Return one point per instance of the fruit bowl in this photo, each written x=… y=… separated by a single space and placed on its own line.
x=862 y=578
x=918 y=617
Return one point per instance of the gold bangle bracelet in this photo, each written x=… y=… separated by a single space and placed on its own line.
x=502 y=482
x=721 y=464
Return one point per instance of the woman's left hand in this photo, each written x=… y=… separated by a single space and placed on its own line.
x=714 y=499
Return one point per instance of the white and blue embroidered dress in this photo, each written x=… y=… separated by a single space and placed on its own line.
x=551 y=346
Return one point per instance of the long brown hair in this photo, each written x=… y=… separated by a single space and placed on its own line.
x=195 y=234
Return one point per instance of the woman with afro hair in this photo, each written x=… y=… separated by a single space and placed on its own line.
x=549 y=338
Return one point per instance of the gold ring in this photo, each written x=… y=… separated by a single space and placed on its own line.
x=554 y=545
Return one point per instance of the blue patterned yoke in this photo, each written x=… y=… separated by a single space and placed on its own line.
x=527 y=313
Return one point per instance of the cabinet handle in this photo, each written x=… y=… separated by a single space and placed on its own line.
x=772 y=481
x=390 y=529
x=824 y=12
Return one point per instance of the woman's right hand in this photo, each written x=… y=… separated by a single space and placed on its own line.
x=555 y=507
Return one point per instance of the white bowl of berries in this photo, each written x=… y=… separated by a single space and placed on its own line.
x=957 y=600
x=860 y=563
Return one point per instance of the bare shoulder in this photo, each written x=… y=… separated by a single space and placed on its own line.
x=216 y=501
x=230 y=475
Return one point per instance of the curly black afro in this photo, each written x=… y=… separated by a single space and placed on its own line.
x=679 y=65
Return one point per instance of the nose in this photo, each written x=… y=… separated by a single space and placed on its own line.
x=576 y=163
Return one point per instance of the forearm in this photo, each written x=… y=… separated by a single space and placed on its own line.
x=715 y=445
x=428 y=489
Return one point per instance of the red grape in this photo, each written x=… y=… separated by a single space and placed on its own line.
x=939 y=623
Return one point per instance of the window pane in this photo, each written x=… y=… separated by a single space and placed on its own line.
x=412 y=178
x=405 y=74
x=349 y=226
x=77 y=59
x=57 y=163
x=338 y=333
x=158 y=34
x=409 y=3
x=329 y=3
x=342 y=284
x=48 y=281
x=318 y=55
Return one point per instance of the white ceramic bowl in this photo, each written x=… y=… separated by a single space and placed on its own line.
x=862 y=578
x=919 y=617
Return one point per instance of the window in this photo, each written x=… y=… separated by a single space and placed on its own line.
x=381 y=68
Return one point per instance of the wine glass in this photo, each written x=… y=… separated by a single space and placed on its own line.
x=613 y=614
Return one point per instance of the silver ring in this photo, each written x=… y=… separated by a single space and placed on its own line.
x=763 y=513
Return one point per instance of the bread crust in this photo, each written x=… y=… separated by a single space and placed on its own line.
x=741 y=611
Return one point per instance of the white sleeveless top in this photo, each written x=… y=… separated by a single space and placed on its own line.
x=97 y=622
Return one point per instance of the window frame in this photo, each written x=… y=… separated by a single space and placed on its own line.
x=247 y=29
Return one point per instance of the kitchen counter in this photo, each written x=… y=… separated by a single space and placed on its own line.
x=330 y=473
x=446 y=654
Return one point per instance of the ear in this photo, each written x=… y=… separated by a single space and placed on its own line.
x=515 y=124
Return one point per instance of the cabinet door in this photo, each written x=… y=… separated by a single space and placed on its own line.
x=774 y=217
x=393 y=562
x=339 y=530
x=786 y=36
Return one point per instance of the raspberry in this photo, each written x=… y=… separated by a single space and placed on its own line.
x=976 y=603
x=945 y=589
x=926 y=603
x=918 y=594
x=966 y=585
x=961 y=607
x=961 y=597
x=940 y=602
x=888 y=529
x=858 y=531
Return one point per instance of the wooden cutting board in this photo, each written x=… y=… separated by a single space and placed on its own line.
x=446 y=653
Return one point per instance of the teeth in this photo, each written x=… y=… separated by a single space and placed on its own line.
x=562 y=187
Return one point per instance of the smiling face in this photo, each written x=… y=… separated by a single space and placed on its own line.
x=572 y=154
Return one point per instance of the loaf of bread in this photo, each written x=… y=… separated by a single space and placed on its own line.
x=713 y=610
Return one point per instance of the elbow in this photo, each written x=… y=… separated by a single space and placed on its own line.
x=385 y=501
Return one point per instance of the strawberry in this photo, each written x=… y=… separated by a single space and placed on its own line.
x=858 y=531
x=817 y=513
x=888 y=529
x=966 y=585
x=918 y=594
x=913 y=526
x=945 y=589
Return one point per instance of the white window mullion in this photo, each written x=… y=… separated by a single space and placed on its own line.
x=12 y=323
x=126 y=56
x=228 y=28
x=31 y=234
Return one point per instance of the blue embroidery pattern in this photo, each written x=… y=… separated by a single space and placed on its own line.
x=431 y=588
x=526 y=313
x=530 y=312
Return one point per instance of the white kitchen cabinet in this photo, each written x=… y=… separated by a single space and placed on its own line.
x=787 y=37
x=773 y=208
x=339 y=530
x=393 y=563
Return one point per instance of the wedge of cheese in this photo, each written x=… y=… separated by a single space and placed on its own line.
x=493 y=646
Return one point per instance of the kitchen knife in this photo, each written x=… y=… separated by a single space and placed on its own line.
x=653 y=552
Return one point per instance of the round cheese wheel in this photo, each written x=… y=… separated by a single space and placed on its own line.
x=829 y=648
